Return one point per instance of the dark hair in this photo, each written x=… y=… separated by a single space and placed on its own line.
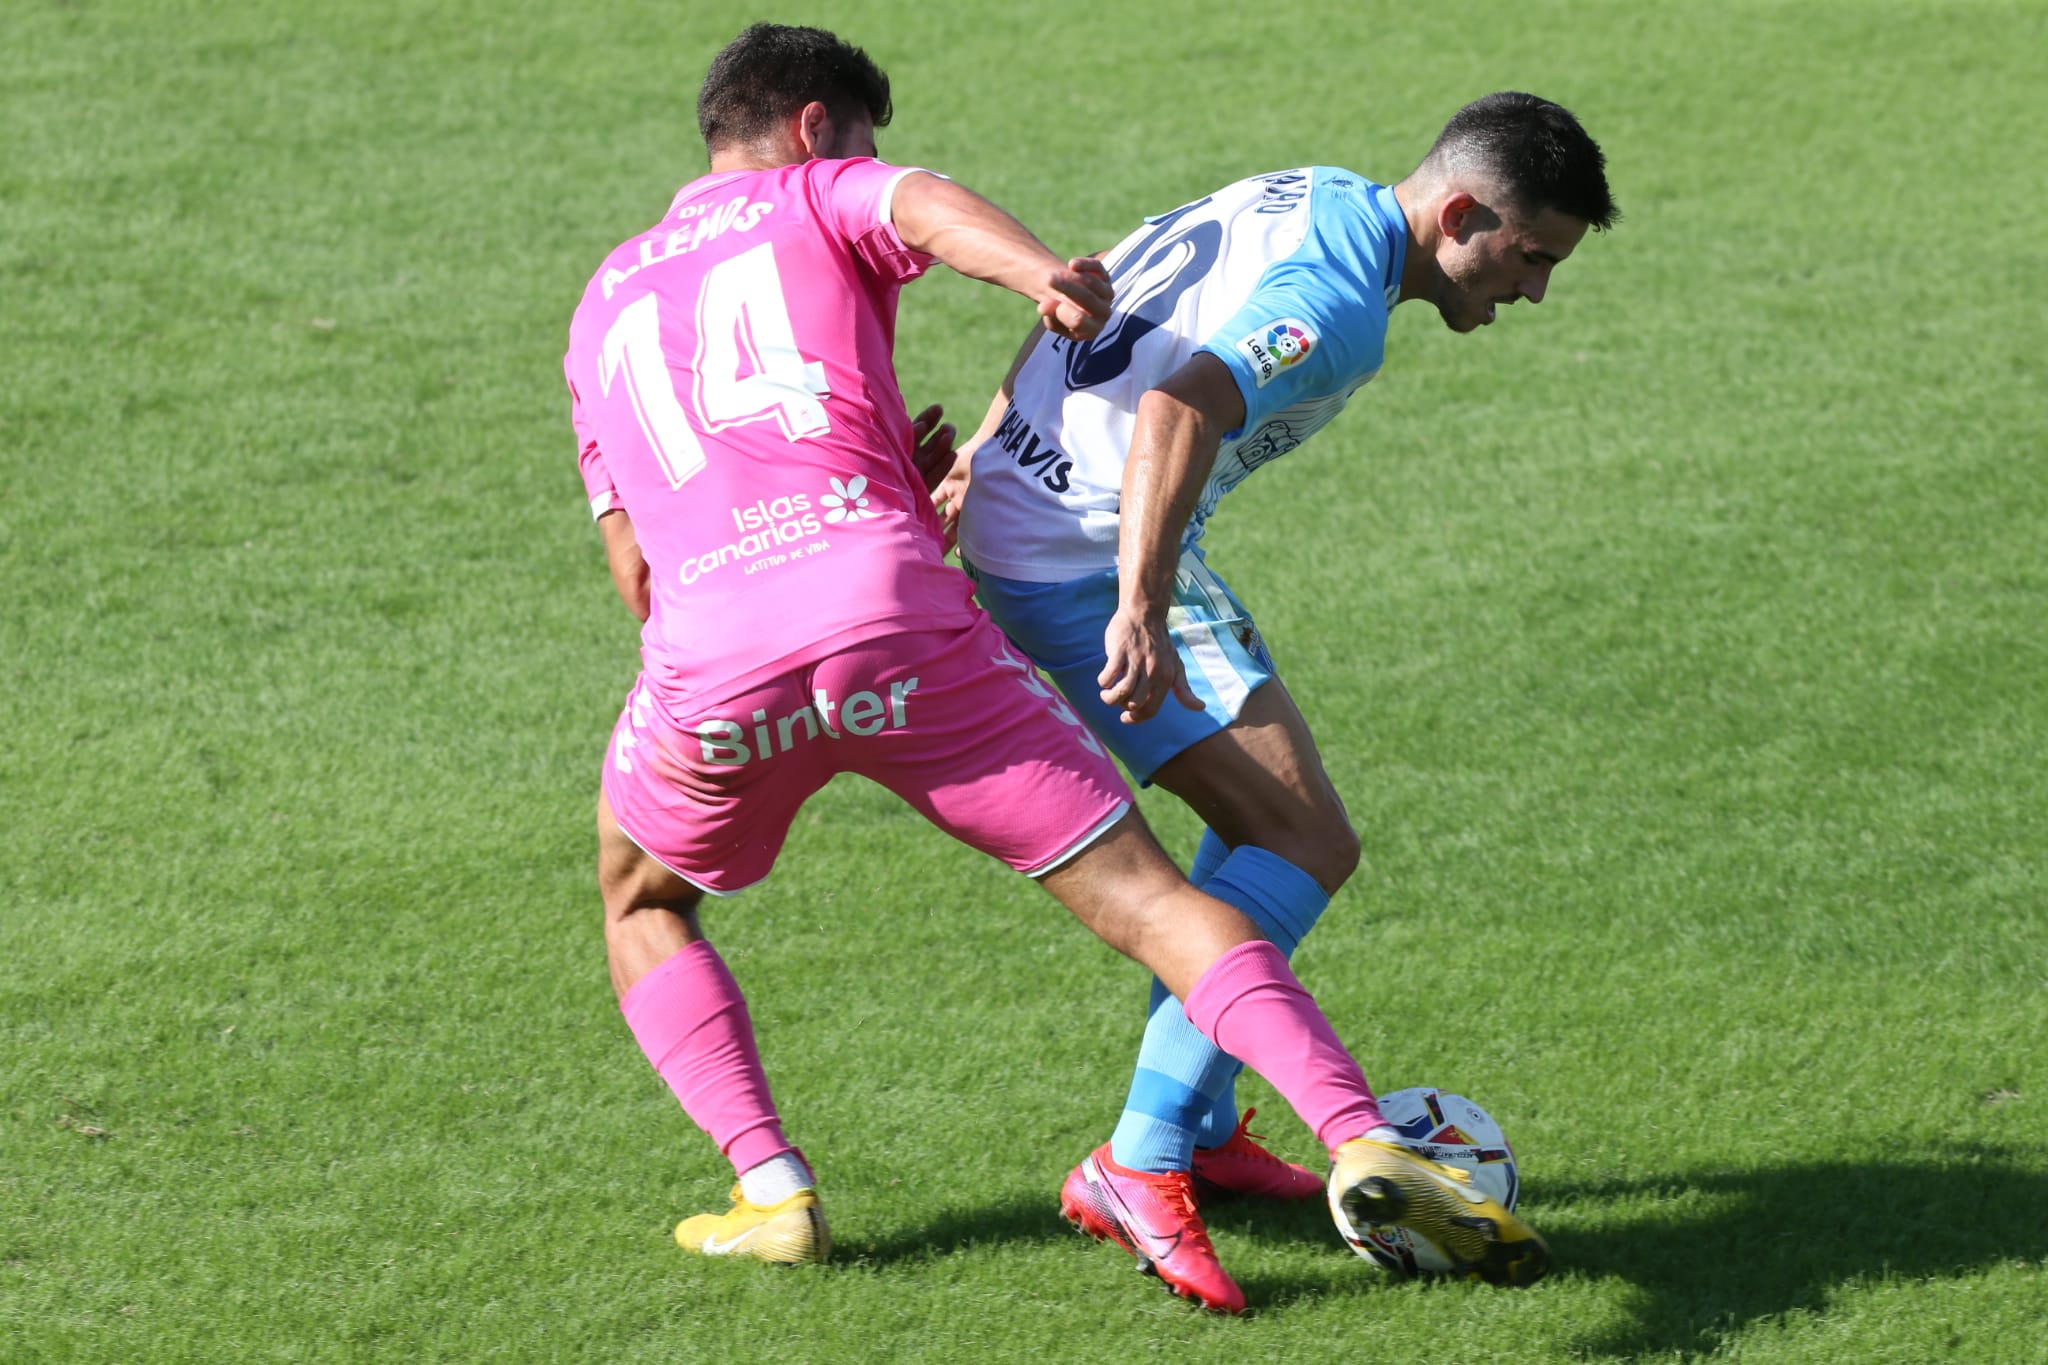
x=1535 y=150
x=772 y=70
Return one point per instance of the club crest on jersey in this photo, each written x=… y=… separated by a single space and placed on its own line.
x=1277 y=346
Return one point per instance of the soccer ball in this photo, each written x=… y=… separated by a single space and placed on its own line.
x=1447 y=1128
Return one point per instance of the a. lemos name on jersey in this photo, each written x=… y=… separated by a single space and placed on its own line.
x=1276 y=346
x=701 y=223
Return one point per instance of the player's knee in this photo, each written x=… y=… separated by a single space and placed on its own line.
x=630 y=882
x=1328 y=850
x=638 y=916
x=630 y=887
x=620 y=883
x=1344 y=852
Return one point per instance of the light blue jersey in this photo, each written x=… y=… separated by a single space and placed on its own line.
x=1286 y=278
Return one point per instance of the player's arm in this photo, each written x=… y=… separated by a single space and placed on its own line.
x=628 y=566
x=1180 y=427
x=939 y=218
x=621 y=546
x=1005 y=391
x=949 y=494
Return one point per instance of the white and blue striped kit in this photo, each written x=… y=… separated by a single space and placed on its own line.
x=1287 y=279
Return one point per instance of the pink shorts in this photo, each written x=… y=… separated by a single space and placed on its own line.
x=955 y=722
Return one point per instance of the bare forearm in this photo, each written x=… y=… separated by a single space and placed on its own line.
x=999 y=404
x=979 y=240
x=628 y=566
x=972 y=235
x=949 y=497
x=1180 y=427
x=1172 y=452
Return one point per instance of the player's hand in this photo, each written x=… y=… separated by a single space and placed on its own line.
x=951 y=495
x=1143 y=668
x=1078 y=300
x=931 y=446
x=945 y=470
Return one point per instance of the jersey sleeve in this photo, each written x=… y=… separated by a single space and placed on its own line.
x=597 y=480
x=855 y=197
x=1296 y=340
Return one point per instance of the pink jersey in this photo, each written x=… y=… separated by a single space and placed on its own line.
x=733 y=387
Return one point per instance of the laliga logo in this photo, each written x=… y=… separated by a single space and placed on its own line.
x=1276 y=346
x=1288 y=343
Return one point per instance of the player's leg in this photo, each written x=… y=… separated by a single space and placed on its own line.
x=1180 y=1110
x=994 y=757
x=1129 y=894
x=1278 y=844
x=678 y=997
x=1260 y=781
x=1238 y=990
x=650 y=913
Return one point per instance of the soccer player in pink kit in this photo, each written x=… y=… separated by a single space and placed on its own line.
x=761 y=492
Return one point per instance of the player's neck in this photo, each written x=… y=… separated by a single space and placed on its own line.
x=766 y=155
x=728 y=165
x=1418 y=264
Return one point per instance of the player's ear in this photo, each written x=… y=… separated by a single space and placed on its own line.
x=810 y=127
x=1464 y=215
x=1454 y=215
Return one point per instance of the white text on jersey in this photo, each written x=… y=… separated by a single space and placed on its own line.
x=701 y=223
x=724 y=742
x=770 y=524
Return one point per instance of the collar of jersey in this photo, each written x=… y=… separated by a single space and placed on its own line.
x=1397 y=239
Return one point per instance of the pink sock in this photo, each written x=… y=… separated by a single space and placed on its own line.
x=1249 y=1004
x=691 y=1021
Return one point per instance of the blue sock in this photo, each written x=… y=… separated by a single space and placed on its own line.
x=1183 y=1094
x=1209 y=856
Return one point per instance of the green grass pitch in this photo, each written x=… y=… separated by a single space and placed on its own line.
x=1681 y=647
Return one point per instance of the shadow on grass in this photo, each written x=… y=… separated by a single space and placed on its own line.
x=1711 y=1253
x=1707 y=1254
x=1018 y=1221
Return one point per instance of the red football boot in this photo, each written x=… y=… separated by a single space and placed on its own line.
x=1153 y=1217
x=1241 y=1166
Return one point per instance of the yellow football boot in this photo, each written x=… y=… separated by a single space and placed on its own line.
x=1376 y=1184
x=789 y=1233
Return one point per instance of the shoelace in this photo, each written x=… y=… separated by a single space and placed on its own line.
x=1177 y=1189
x=1246 y=1140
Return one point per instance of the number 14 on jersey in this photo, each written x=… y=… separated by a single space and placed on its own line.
x=746 y=368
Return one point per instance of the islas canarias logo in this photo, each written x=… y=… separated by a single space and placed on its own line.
x=1277 y=346
x=772 y=531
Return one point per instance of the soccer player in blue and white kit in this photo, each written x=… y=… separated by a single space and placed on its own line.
x=1247 y=320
